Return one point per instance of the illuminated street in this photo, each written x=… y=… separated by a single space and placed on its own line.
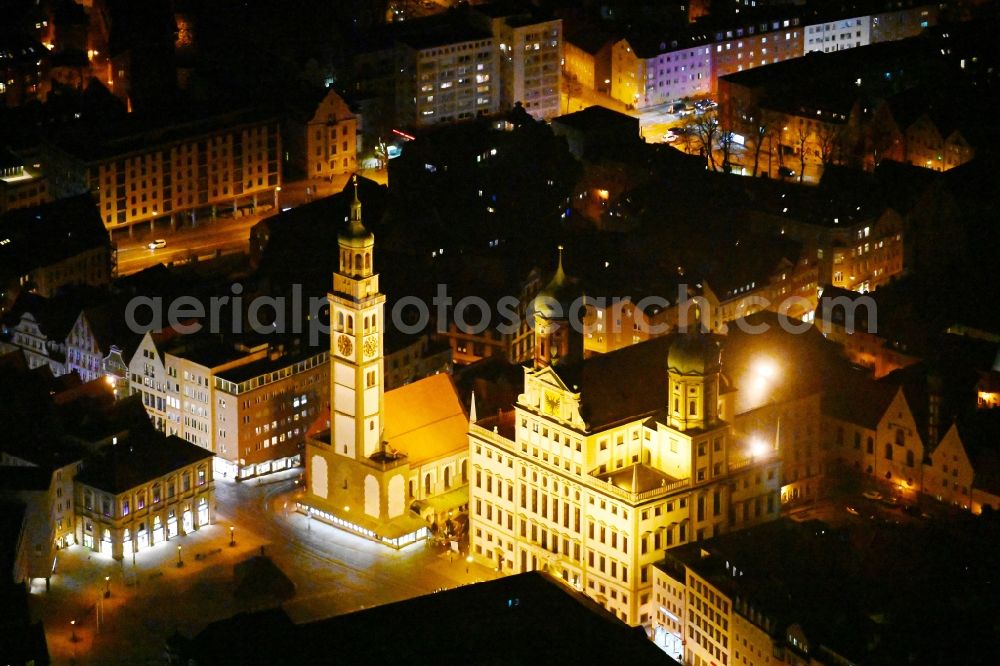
x=334 y=573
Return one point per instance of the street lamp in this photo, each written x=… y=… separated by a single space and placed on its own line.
x=107 y=587
x=232 y=536
x=72 y=632
x=180 y=562
x=277 y=191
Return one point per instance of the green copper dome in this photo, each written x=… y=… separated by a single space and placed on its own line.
x=556 y=298
x=694 y=353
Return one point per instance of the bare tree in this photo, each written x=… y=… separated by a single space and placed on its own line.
x=762 y=128
x=801 y=137
x=725 y=145
x=705 y=131
x=830 y=138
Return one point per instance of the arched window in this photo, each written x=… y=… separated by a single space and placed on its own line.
x=366 y=324
x=368 y=261
x=410 y=487
x=870 y=446
x=900 y=437
x=465 y=471
x=427 y=484
x=357 y=262
x=350 y=323
x=888 y=451
x=447 y=478
x=340 y=321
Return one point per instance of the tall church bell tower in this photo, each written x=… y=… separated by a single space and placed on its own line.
x=357 y=323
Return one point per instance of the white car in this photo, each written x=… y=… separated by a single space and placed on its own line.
x=156 y=244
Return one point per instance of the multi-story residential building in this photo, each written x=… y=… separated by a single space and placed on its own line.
x=755 y=44
x=936 y=142
x=250 y=406
x=962 y=469
x=647 y=70
x=587 y=57
x=171 y=172
x=142 y=491
x=446 y=74
x=47 y=247
x=331 y=139
x=263 y=409
x=21 y=185
x=828 y=35
x=388 y=465
x=593 y=472
x=857 y=247
x=900 y=22
x=21 y=71
x=853 y=323
x=869 y=426
x=529 y=54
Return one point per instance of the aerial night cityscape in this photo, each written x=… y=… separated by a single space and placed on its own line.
x=500 y=332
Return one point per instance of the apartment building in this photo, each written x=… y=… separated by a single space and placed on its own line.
x=331 y=139
x=263 y=409
x=529 y=54
x=250 y=406
x=175 y=173
x=594 y=473
x=836 y=35
x=446 y=74
x=755 y=44
x=648 y=70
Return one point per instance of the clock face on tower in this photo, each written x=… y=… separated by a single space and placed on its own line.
x=344 y=345
x=371 y=346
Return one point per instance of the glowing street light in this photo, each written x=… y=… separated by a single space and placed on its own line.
x=72 y=632
x=180 y=562
x=107 y=587
x=232 y=536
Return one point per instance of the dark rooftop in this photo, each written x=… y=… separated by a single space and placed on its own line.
x=137 y=460
x=549 y=623
x=43 y=235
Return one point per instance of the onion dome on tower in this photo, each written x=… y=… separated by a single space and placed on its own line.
x=556 y=339
x=694 y=365
x=355 y=235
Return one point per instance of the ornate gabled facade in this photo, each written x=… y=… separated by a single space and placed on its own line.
x=606 y=462
x=388 y=466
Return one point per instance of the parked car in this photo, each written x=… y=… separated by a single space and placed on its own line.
x=156 y=244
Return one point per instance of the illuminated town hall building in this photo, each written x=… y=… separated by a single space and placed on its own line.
x=387 y=466
x=605 y=462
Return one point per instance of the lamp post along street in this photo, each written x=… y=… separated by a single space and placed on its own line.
x=232 y=536
x=180 y=562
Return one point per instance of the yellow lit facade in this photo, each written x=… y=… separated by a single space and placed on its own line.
x=175 y=173
x=332 y=139
x=597 y=503
x=390 y=466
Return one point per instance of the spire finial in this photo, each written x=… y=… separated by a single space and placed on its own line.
x=560 y=274
x=356 y=204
